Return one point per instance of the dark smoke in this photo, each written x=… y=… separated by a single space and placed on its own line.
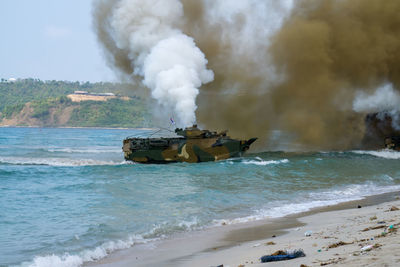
x=116 y=58
x=300 y=77
x=326 y=50
x=329 y=49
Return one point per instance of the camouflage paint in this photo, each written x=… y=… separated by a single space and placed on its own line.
x=195 y=146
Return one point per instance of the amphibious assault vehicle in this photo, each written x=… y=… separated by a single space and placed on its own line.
x=191 y=145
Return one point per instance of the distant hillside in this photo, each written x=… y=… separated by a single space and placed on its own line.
x=31 y=102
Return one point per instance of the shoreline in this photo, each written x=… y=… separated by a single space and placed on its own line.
x=75 y=127
x=348 y=237
x=244 y=243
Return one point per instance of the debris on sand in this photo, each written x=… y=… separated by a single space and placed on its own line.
x=282 y=255
x=332 y=261
x=279 y=252
x=394 y=208
x=367 y=248
x=308 y=233
x=338 y=244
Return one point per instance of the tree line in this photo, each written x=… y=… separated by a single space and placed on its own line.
x=46 y=95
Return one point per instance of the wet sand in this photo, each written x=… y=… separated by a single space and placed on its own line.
x=244 y=244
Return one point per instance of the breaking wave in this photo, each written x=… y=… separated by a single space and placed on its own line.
x=387 y=154
x=64 y=162
x=68 y=260
x=87 y=150
x=274 y=209
x=259 y=161
x=75 y=260
x=313 y=200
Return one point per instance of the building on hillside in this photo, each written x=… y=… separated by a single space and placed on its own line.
x=81 y=92
x=79 y=96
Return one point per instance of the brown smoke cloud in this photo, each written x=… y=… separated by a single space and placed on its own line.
x=302 y=79
x=326 y=50
x=116 y=58
x=329 y=49
x=238 y=93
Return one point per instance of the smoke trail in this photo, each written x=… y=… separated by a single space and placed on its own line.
x=143 y=39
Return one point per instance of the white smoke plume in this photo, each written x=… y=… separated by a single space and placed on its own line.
x=169 y=61
x=385 y=100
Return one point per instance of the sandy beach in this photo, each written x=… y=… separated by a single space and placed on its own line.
x=340 y=238
x=341 y=235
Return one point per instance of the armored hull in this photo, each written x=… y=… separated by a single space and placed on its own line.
x=194 y=145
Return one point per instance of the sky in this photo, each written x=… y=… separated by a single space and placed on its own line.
x=50 y=40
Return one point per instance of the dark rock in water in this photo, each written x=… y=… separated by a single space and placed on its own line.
x=359 y=207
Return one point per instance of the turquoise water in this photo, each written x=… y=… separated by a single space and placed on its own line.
x=67 y=196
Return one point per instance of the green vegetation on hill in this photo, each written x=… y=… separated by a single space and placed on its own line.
x=48 y=103
x=41 y=108
x=112 y=113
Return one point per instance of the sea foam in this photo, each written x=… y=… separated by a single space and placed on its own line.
x=387 y=154
x=84 y=150
x=63 y=162
x=69 y=260
x=278 y=209
x=158 y=232
x=275 y=209
x=261 y=162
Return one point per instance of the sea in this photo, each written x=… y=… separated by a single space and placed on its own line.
x=67 y=196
